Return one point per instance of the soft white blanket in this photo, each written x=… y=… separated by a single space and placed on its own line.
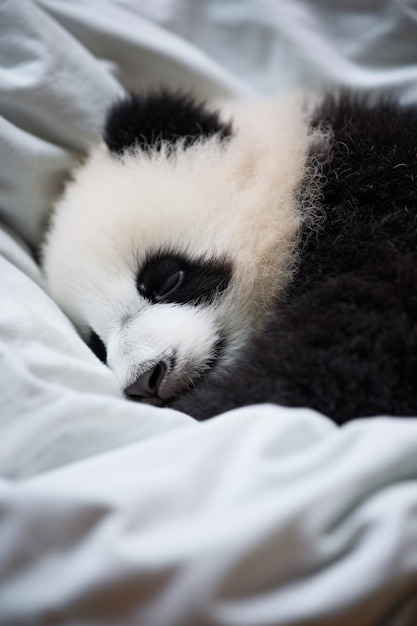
x=114 y=513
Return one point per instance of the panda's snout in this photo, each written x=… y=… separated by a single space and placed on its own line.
x=147 y=384
x=163 y=350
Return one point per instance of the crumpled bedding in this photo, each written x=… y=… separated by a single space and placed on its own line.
x=116 y=513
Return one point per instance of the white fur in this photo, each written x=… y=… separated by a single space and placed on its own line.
x=237 y=199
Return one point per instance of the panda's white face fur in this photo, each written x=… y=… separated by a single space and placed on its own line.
x=226 y=209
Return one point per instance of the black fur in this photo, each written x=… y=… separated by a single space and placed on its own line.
x=203 y=279
x=145 y=121
x=97 y=346
x=344 y=342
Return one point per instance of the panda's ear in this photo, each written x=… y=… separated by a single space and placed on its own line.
x=145 y=121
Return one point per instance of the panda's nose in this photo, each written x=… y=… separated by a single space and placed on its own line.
x=147 y=384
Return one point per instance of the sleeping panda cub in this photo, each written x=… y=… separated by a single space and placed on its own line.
x=259 y=251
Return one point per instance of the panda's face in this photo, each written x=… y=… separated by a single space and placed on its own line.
x=174 y=237
x=176 y=327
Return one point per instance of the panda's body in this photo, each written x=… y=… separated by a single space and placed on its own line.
x=265 y=253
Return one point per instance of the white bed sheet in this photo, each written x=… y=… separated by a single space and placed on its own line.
x=114 y=513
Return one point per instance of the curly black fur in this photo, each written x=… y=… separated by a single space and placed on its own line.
x=344 y=342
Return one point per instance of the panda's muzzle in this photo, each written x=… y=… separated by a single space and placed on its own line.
x=147 y=384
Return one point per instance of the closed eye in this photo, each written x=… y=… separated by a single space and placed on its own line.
x=172 y=283
x=168 y=277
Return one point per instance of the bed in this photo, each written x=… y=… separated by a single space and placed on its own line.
x=117 y=513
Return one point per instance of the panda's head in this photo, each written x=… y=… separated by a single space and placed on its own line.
x=176 y=234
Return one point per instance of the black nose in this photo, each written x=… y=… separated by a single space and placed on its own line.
x=147 y=384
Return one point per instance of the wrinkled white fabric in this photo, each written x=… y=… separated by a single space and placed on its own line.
x=116 y=513
x=263 y=516
x=276 y=44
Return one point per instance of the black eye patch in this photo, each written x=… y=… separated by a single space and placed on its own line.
x=169 y=277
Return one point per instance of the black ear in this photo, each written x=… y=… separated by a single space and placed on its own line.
x=144 y=121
